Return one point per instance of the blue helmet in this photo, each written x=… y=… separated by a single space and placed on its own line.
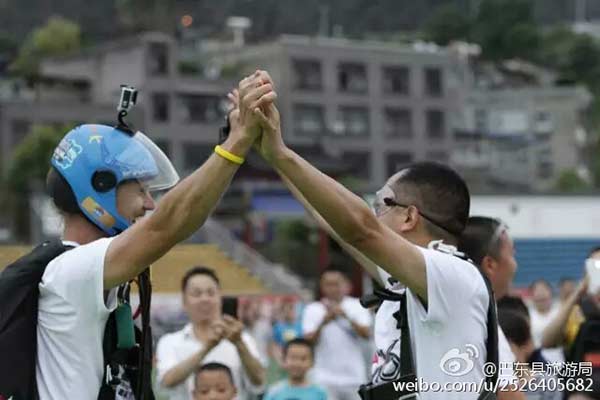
x=95 y=159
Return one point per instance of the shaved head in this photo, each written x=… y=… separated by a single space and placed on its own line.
x=439 y=193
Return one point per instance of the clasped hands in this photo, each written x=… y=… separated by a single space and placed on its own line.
x=254 y=118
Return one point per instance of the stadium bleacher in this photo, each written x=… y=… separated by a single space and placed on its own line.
x=168 y=271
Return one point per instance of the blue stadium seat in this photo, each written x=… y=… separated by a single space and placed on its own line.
x=551 y=259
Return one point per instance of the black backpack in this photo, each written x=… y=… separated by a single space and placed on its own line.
x=19 y=295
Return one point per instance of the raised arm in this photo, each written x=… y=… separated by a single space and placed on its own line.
x=184 y=208
x=369 y=266
x=252 y=367
x=554 y=333
x=346 y=213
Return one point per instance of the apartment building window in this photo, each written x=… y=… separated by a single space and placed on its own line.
x=436 y=124
x=195 y=108
x=543 y=122
x=158 y=63
x=194 y=155
x=396 y=161
x=439 y=156
x=307 y=74
x=160 y=107
x=396 y=80
x=398 y=122
x=481 y=120
x=433 y=82
x=309 y=120
x=360 y=163
x=545 y=169
x=20 y=128
x=352 y=78
x=353 y=121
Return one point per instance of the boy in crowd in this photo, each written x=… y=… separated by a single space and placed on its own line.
x=298 y=358
x=214 y=381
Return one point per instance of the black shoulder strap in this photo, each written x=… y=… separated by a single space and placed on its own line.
x=407 y=364
x=491 y=344
x=144 y=388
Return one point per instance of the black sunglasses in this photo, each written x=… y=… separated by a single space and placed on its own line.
x=390 y=202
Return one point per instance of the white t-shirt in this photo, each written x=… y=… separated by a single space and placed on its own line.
x=539 y=322
x=339 y=359
x=448 y=338
x=71 y=320
x=173 y=348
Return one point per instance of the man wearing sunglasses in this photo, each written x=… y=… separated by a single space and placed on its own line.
x=407 y=244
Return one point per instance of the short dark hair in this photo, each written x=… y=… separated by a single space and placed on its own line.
x=61 y=193
x=298 y=342
x=199 y=270
x=213 y=366
x=541 y=281
x=476 y=239
x=593 y=250
x=565 y=279
x=426 y=184
x=513 y=303
x=515 y=326
x=338 y=269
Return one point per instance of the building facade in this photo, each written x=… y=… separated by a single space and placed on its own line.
x=521 y=139
x=374 y=106
x=181 y=114
x=356 y=109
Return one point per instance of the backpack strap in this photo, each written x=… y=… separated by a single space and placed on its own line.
x=407 y=364
x=128 y=365
x=144 y=388
x=491 y=343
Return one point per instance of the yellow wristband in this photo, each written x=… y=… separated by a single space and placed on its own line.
x=229 y=156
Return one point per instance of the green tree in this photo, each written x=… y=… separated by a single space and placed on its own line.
x=58 y=37
x=554 y=45
x=583 y=62
x=523 y=41
x=27 y=172
x=7 y=44
x=506 y=29
x=570 y=182
x=142 y=15
x=447 y=23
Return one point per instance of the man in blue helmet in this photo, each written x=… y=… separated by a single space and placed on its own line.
x=100 y=180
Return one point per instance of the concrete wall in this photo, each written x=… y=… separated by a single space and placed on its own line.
x=543 y=216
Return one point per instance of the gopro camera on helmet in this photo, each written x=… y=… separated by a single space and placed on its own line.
x=126 y=102
x=128 y=98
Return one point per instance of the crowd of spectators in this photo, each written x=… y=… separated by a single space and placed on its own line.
x=280 y=348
